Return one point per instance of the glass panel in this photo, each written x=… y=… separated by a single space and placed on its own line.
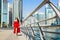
x=36 y=32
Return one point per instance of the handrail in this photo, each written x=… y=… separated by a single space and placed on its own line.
x=40 y=29
x=43 y=20
x=42 y=4
x=48 y=19
x=44 y=26
x=52 y=32
x=39 y=6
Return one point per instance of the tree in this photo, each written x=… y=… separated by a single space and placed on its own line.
x=4 y=25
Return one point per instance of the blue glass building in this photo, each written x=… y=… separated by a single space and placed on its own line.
x=17 y=9
x=4 y=13
x=0 y=12
x=57 y=22
x=49 y=13
x=59 y=10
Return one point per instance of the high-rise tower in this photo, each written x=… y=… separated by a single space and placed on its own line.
x=17 y=7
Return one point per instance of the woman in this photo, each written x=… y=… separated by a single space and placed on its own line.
x=16 y=26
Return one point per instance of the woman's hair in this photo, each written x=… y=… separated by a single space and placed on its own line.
x=17 y=19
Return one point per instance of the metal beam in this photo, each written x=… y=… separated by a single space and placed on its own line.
x=51 y=32
x=47 y=26
x=42 y=4
x=55 y=9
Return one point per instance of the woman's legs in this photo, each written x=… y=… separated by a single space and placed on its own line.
x=16 y=32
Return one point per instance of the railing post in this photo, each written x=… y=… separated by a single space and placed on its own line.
x=32 y=31
x=41 y=32
x=28 y=32
x=26 y=29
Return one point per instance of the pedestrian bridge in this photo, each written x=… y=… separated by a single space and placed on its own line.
x=34 y=29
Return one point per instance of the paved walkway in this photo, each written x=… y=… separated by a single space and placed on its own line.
x=8 y=35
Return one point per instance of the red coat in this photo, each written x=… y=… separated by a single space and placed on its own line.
x=16 y=25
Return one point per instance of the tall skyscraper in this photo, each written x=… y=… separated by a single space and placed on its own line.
x=40 y=16
x=20 y=10
x=0 y=12
x=10 y=14
x=4 y=13
x=17 y=7
x=57 y=22
x=49 y=13
x=59 y=10
x=37 y=16
x=59 y=4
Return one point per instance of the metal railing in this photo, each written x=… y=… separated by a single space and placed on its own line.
x=45 y=30
x=29 y=28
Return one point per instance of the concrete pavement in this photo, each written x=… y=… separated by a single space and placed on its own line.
x=8 y=35
x=4 y=34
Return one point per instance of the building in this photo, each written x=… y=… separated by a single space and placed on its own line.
x=0 y=12
x=57 y=21
x=10 y=14
x=4 y=13
x=49 y=13
x=59 y=10
x=17 y=9
x=40 y=16
x=37 y=16
x=59 y=4
x=20 y=10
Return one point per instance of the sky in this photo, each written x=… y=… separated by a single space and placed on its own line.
x=30 y=5
x=10 y=1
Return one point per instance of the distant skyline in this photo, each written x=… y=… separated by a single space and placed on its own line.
x=30 y=5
